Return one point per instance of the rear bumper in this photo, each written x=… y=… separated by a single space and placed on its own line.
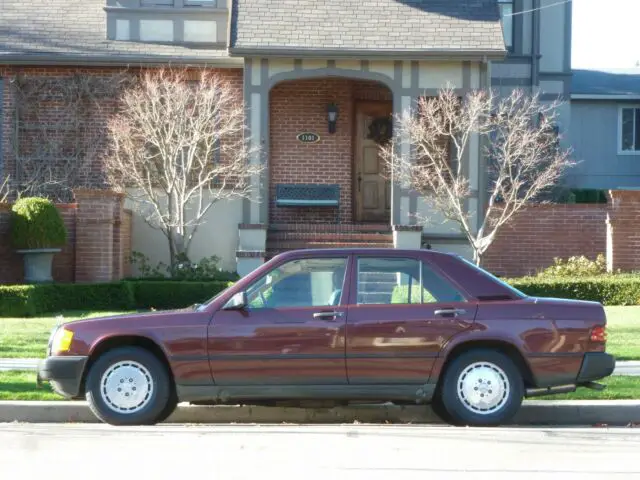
x=596 y=365
x=63 y=373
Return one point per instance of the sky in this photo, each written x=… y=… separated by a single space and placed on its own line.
x=604 y=34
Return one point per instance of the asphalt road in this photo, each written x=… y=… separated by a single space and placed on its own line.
x=330 y=452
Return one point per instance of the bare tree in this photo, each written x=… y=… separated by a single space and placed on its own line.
x=179 y=147
x=5 y=190
x=519 y=140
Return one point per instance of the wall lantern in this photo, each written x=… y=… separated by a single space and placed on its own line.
x=332 y=114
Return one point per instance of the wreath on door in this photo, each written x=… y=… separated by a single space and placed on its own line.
x=381 y=130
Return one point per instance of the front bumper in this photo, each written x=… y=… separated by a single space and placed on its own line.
x=596 y=365
x=63 y=373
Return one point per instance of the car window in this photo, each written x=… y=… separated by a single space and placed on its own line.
x=385 y=281
x=314 y=282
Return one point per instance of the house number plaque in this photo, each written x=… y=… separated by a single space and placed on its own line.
x=308 y=137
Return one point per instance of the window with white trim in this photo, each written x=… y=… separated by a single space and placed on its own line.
x=506 y=17
x=629 y=135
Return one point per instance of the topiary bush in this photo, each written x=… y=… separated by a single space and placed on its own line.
x=36 y=223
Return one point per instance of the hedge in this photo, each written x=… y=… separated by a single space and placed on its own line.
x=30 y=300
x=608 y=289
x=164 y=294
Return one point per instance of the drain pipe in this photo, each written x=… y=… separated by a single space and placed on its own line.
x=535 y=45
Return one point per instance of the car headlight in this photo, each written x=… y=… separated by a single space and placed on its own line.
x=60 y=340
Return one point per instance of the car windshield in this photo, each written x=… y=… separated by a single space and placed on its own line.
x=514 y=290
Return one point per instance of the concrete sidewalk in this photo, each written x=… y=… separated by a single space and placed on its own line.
x=631 y=368
x=533 y=412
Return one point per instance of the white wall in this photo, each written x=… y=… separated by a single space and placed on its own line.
x=217 y=235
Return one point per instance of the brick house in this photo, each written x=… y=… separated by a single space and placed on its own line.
x=297 y=63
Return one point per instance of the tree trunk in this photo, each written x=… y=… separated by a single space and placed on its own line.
x=477 y=257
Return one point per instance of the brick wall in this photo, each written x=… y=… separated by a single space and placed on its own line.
x=88 y=248
x=301 y=106
x=54 y=123
x=624 y=231
x=542 y=232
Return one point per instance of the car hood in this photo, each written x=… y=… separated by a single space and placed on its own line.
x=128 y=318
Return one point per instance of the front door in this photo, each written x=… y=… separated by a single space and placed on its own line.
x=291 y=333
x=396 y=329
x=372 y=190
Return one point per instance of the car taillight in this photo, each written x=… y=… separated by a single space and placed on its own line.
x=599 y=334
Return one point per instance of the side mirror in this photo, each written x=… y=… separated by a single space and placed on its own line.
x=237 y=302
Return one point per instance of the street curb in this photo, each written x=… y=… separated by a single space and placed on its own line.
x=533 y=412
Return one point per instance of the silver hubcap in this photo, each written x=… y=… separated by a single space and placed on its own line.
x=483 y=388
x=126 y=387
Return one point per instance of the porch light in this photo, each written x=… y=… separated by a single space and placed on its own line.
x=332 y=113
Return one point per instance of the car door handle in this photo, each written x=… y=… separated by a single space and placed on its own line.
x=450 y=312
x=327 y=315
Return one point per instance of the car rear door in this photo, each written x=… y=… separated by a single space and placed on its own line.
x=291 y=333
x=401 y=313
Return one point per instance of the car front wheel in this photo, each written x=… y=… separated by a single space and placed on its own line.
x=128 y=386
x=482 y=388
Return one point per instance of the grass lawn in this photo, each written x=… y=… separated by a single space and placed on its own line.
x=624 y=332
x=27 y=337
x=17 y=385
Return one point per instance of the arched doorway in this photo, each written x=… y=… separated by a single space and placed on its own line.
x=346 y=156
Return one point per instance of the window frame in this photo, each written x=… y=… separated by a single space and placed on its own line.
x=636 y=141
x=280 y=265
x=423 y=264
x=512 y=34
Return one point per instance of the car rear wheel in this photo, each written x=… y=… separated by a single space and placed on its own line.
x=482 y=388
x=129 y=386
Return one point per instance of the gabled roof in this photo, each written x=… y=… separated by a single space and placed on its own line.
x=347 y=27
x=74 y=31
x=606 y=83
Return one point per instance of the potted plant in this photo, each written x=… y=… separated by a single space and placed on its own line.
x=38 y=233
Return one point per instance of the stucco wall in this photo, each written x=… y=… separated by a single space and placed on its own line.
x=217 y=235
x=594 y=138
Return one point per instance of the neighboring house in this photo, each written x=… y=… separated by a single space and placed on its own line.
x=605 y=129
x=364 y=58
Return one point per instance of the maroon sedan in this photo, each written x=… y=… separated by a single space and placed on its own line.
x=338 y=326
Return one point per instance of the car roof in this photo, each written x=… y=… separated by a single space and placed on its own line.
x=363 y=250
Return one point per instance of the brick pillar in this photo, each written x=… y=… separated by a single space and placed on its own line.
x=623 y=234
x=95 y=225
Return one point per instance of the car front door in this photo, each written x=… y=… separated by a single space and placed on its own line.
x=290 y=333
x=401 y=313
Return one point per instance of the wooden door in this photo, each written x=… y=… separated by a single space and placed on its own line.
x=372 y=190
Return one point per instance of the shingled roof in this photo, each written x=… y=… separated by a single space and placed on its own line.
x=75 y=31
x=345 y=27
x=620 y=82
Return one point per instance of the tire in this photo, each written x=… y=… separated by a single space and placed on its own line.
x=136 y=373
x=169 y=409
x=467 y=394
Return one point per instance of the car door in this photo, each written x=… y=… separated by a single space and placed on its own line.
x=290 y=333
x=401 y=313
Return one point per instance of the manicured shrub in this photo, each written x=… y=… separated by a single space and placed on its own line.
x=173 y=294
x=575 y=267
x=36 y=223
x=30 y=300
x=607 y=289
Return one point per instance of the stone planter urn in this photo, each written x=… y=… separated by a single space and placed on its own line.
x=38 y=263
x=37 y=233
